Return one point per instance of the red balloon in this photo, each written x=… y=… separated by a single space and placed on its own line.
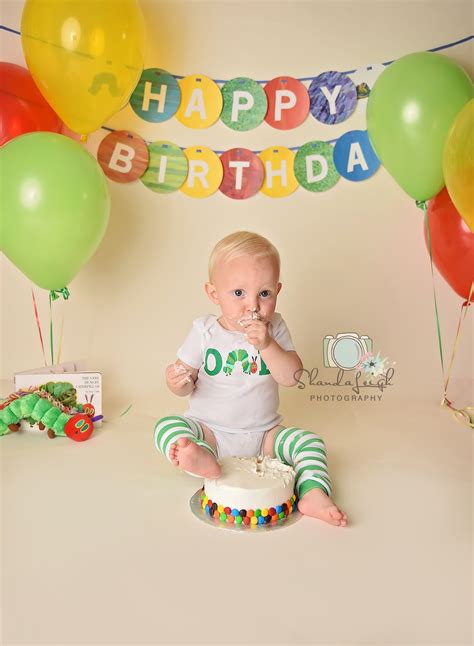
x=22 y=106
x=452 y=244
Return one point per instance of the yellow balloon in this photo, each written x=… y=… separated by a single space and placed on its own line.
x=85 y=57
x=458 y=164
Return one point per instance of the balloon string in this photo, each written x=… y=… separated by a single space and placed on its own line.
x=422 y=205
x=460 y=414
x=38 y=324
x=51 y=329
x=126 y=410
x=58 y=360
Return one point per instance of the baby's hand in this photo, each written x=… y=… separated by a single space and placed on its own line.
x=178 y=377
x=256 y=333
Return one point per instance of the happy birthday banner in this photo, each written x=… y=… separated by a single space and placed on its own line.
x=241 y=104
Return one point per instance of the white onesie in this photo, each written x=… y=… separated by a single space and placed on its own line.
x=235 y=391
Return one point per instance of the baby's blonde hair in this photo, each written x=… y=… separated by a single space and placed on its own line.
x=243 y=243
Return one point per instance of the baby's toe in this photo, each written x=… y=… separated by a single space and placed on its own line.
x=344 y=519
x=335 y=513
x=334 y=516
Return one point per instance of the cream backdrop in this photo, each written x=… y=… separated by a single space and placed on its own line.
x=353 y=258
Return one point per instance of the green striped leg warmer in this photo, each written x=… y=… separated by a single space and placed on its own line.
x=306 y=453
x=168 y=430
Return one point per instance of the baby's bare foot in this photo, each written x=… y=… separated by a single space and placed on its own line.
x=317 y=504
x=193 y=458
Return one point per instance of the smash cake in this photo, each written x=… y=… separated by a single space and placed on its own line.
x=250 y=492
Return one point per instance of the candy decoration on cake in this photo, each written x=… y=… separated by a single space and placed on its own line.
x=252 y=517
x=53 y=406
x=250 y=492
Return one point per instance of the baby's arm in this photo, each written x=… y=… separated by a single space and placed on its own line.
x=181 y=378
x=282 y=363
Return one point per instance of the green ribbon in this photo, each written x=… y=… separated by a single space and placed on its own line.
x=56 y=293
x=421 y=204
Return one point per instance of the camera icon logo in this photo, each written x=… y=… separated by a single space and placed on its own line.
x=345 y=350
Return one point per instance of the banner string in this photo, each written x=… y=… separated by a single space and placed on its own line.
x=439 y=48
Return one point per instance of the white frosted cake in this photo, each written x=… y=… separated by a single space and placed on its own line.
x=250 y=493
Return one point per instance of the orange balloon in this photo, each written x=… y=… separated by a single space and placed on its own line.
x=452 y=244
x=22 y=106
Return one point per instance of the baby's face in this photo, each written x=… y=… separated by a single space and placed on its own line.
x=244 y=285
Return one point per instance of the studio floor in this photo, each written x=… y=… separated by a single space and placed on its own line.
x=99 y=545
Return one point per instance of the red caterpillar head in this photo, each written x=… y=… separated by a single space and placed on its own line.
x=79 y=428
x=89 y=410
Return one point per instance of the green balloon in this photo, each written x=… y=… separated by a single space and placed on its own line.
x=410 y=110
x=55 y=207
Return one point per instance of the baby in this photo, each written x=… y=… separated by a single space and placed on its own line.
x=231 y=366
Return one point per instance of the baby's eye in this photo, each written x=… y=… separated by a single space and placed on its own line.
x=238 y=292
x=265 y=293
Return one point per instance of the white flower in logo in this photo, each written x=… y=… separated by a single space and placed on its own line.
x=372 y=366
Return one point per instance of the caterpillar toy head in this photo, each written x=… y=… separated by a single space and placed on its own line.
x=79 y=427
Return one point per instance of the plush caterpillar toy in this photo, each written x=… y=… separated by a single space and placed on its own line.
x=53 y=406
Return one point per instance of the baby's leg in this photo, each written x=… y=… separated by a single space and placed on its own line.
x=306 y=453
x=188 y=445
